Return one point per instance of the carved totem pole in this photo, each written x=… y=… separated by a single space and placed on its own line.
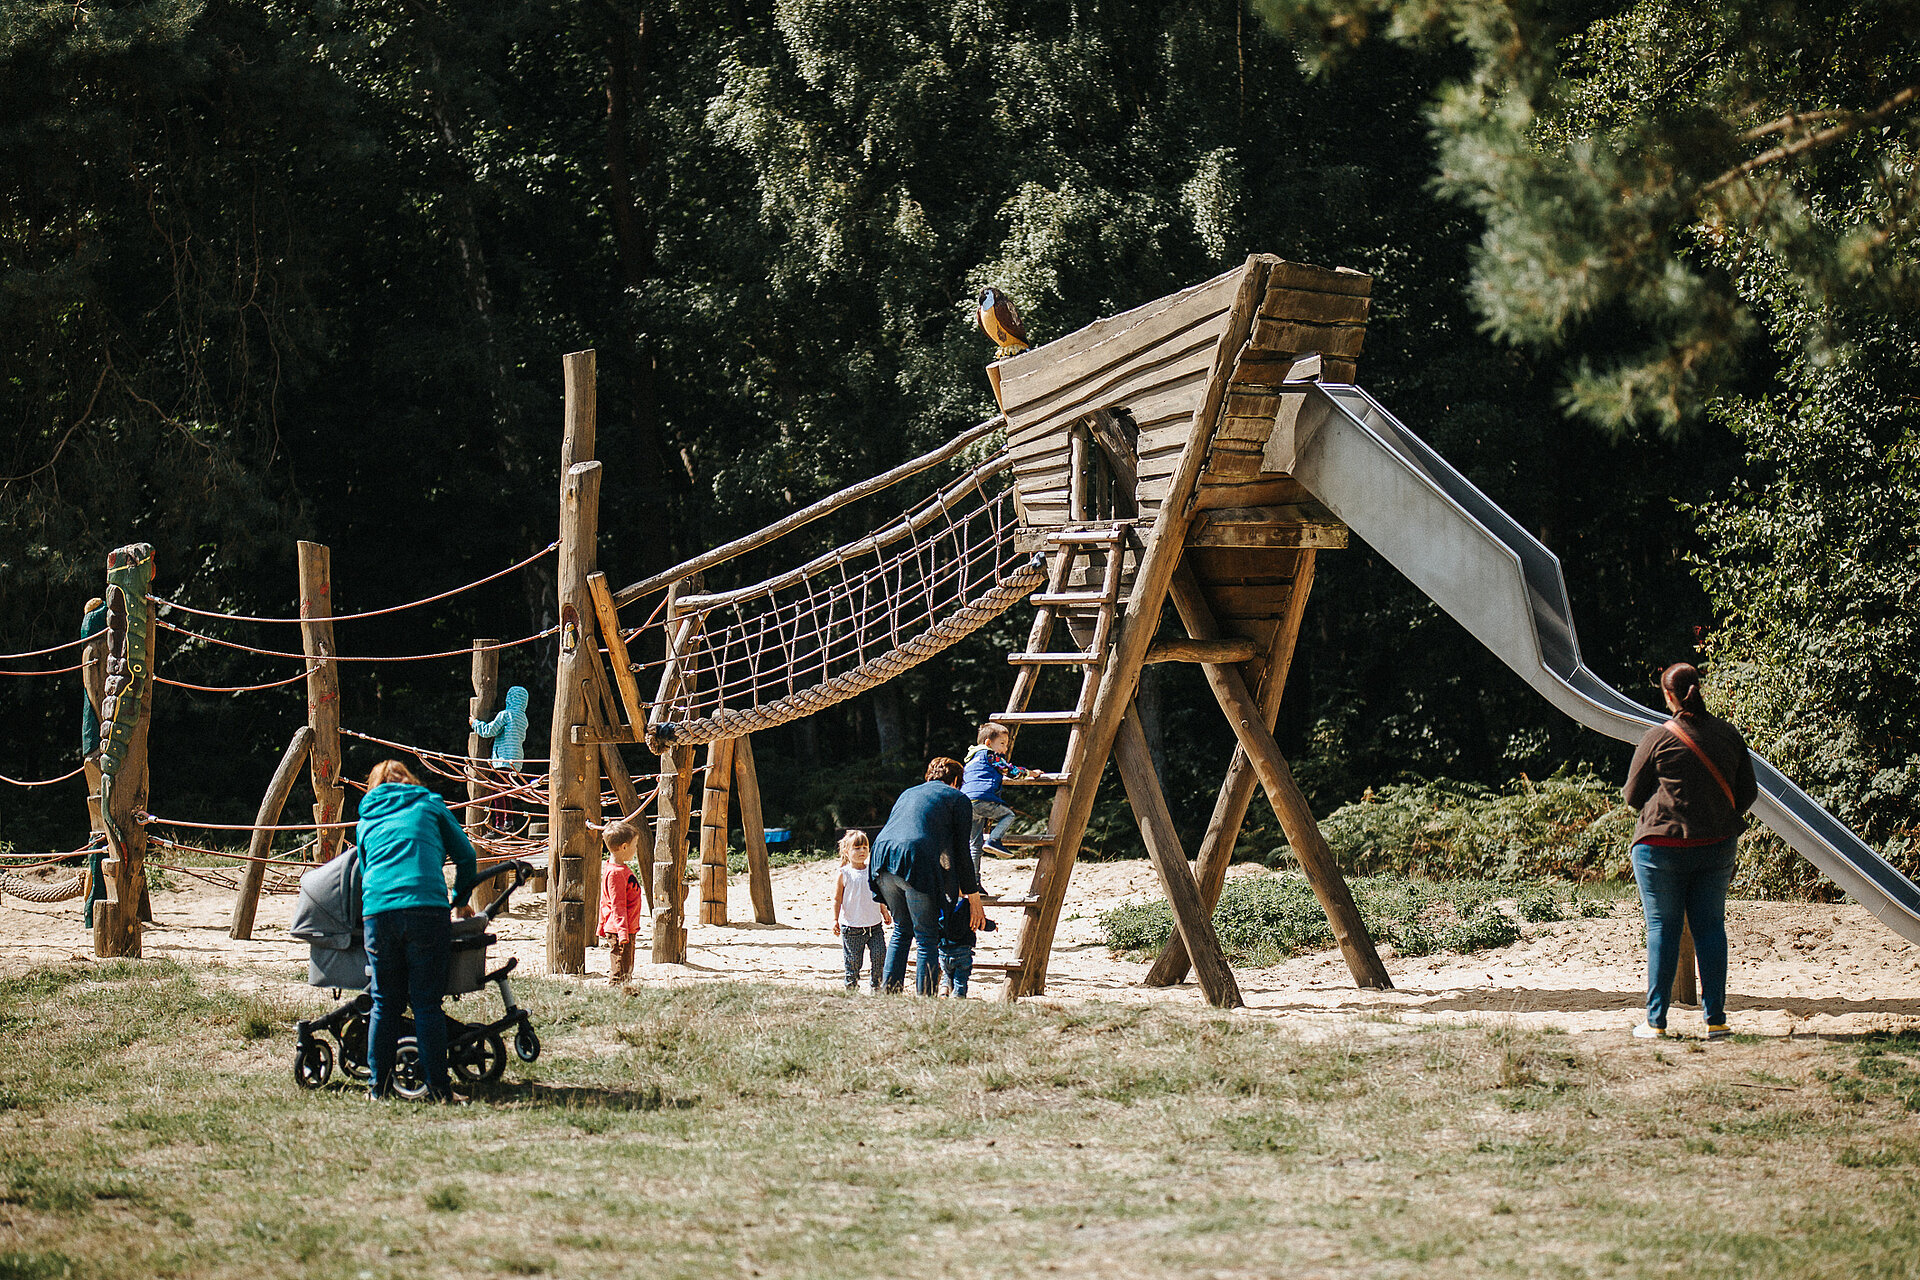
x=124 y=708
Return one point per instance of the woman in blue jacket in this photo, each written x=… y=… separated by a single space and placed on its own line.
x=405 y=835
x=918 y=857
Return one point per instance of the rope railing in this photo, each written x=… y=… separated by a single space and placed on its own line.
x=75 y=772
x=750 y=658
x=51 y=671
x=41 y=653
x=369 y=613
x=349 y=657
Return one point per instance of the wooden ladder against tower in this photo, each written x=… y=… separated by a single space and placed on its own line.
x=1089 y=615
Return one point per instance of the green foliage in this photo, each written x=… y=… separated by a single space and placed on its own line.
x=1816 y=566
x=1264 y=919
x=1571 y=825
x=1606 y=152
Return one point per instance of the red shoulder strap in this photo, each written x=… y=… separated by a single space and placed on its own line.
x=1726 y=789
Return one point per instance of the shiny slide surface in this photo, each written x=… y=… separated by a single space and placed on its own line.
x=1504 y=586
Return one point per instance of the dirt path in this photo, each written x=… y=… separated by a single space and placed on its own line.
x=1797 y=969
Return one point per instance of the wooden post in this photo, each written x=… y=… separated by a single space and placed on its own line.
x=714 y=806
x=670 y=856
x=323 y=695
x=573 y=785
x=753 y=831
x=1296 y=817
x=1192 y=919
x=1236 y=789
x=1685 y=989
x=126 y=710
x=246 y=898
x=484 y=705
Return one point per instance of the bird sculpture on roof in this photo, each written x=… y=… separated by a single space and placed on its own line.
x=1002 y=322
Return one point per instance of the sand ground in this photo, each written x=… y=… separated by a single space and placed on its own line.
x=1798 y=969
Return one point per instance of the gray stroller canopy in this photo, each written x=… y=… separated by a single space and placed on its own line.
x=327 y=918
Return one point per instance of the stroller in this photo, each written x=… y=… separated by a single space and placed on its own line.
x=327 y=918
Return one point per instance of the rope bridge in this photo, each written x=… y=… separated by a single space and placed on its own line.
x=741 y=661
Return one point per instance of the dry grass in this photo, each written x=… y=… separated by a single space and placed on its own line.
x=149 y=1126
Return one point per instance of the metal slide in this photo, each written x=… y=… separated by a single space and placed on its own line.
x=1505 y=587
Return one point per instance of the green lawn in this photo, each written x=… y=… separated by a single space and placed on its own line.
x=149 y=1126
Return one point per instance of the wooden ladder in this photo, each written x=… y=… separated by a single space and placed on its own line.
x=1094 y=611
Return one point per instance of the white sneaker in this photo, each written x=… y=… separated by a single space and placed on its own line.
x=1647 y=1031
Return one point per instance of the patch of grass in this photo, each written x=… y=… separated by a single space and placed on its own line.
x=721 y=1129
x=448 y=1198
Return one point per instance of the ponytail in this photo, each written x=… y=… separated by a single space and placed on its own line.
x=1682 y=680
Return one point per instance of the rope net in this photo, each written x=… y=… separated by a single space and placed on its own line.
x=749 y=659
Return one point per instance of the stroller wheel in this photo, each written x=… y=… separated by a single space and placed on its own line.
x=409 y=1077
x=312 y=1064
x=481 y=1059
x=353 y=1048
x=526 y=1044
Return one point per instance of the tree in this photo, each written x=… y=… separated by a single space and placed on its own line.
x=1615 y=156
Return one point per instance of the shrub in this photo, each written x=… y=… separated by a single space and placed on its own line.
x=1265 y=919
x=1571 y=825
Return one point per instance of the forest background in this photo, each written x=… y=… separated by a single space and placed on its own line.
x=272 y=271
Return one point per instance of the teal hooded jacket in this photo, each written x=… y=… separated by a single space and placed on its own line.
x=405 y=834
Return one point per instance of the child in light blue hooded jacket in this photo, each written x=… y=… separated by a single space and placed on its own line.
x=509 y=733
x=508 y=730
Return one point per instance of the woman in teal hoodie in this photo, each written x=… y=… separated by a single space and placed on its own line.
x=405 y=835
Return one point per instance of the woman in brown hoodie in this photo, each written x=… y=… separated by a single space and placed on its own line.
x=1691 y=780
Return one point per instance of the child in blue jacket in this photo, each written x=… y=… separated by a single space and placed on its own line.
x=987 y=767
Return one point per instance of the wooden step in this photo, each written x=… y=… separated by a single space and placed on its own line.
x=1053 y=659
x=1020 y=900
x=1039 y=780
x=1026 y=842
x=1068 y=537
x=998 y=966
x=1069 y=599
x=1039 y=717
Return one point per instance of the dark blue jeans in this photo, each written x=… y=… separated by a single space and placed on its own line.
x=915 y=915
x=1682 y=888
x=956 y=958
x=865 y=943
x=407 y=950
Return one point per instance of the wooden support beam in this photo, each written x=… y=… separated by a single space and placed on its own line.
x=1192 y=919
x=715 y=803
x=1229 y=649
x=323 y=695
x=746 y=788
x=573 y=786
x=483 y=705
x=246 y=897
x=617 y=658
x=1236 y=790
x=1296 y=817
x=1073 y=805
x=1685 y=989
x=670 y=856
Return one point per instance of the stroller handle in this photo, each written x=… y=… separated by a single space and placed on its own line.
x=522 y=872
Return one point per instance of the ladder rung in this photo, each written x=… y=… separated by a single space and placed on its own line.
x=998 y=966
x=1019 y=900
x=1053 y=659
x=1027 y=841
x=1070 y=598
x=1088 y=535
x=1039 y=780
x=1039 y=717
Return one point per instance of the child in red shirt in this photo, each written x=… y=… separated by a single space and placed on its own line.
x=621 y=904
